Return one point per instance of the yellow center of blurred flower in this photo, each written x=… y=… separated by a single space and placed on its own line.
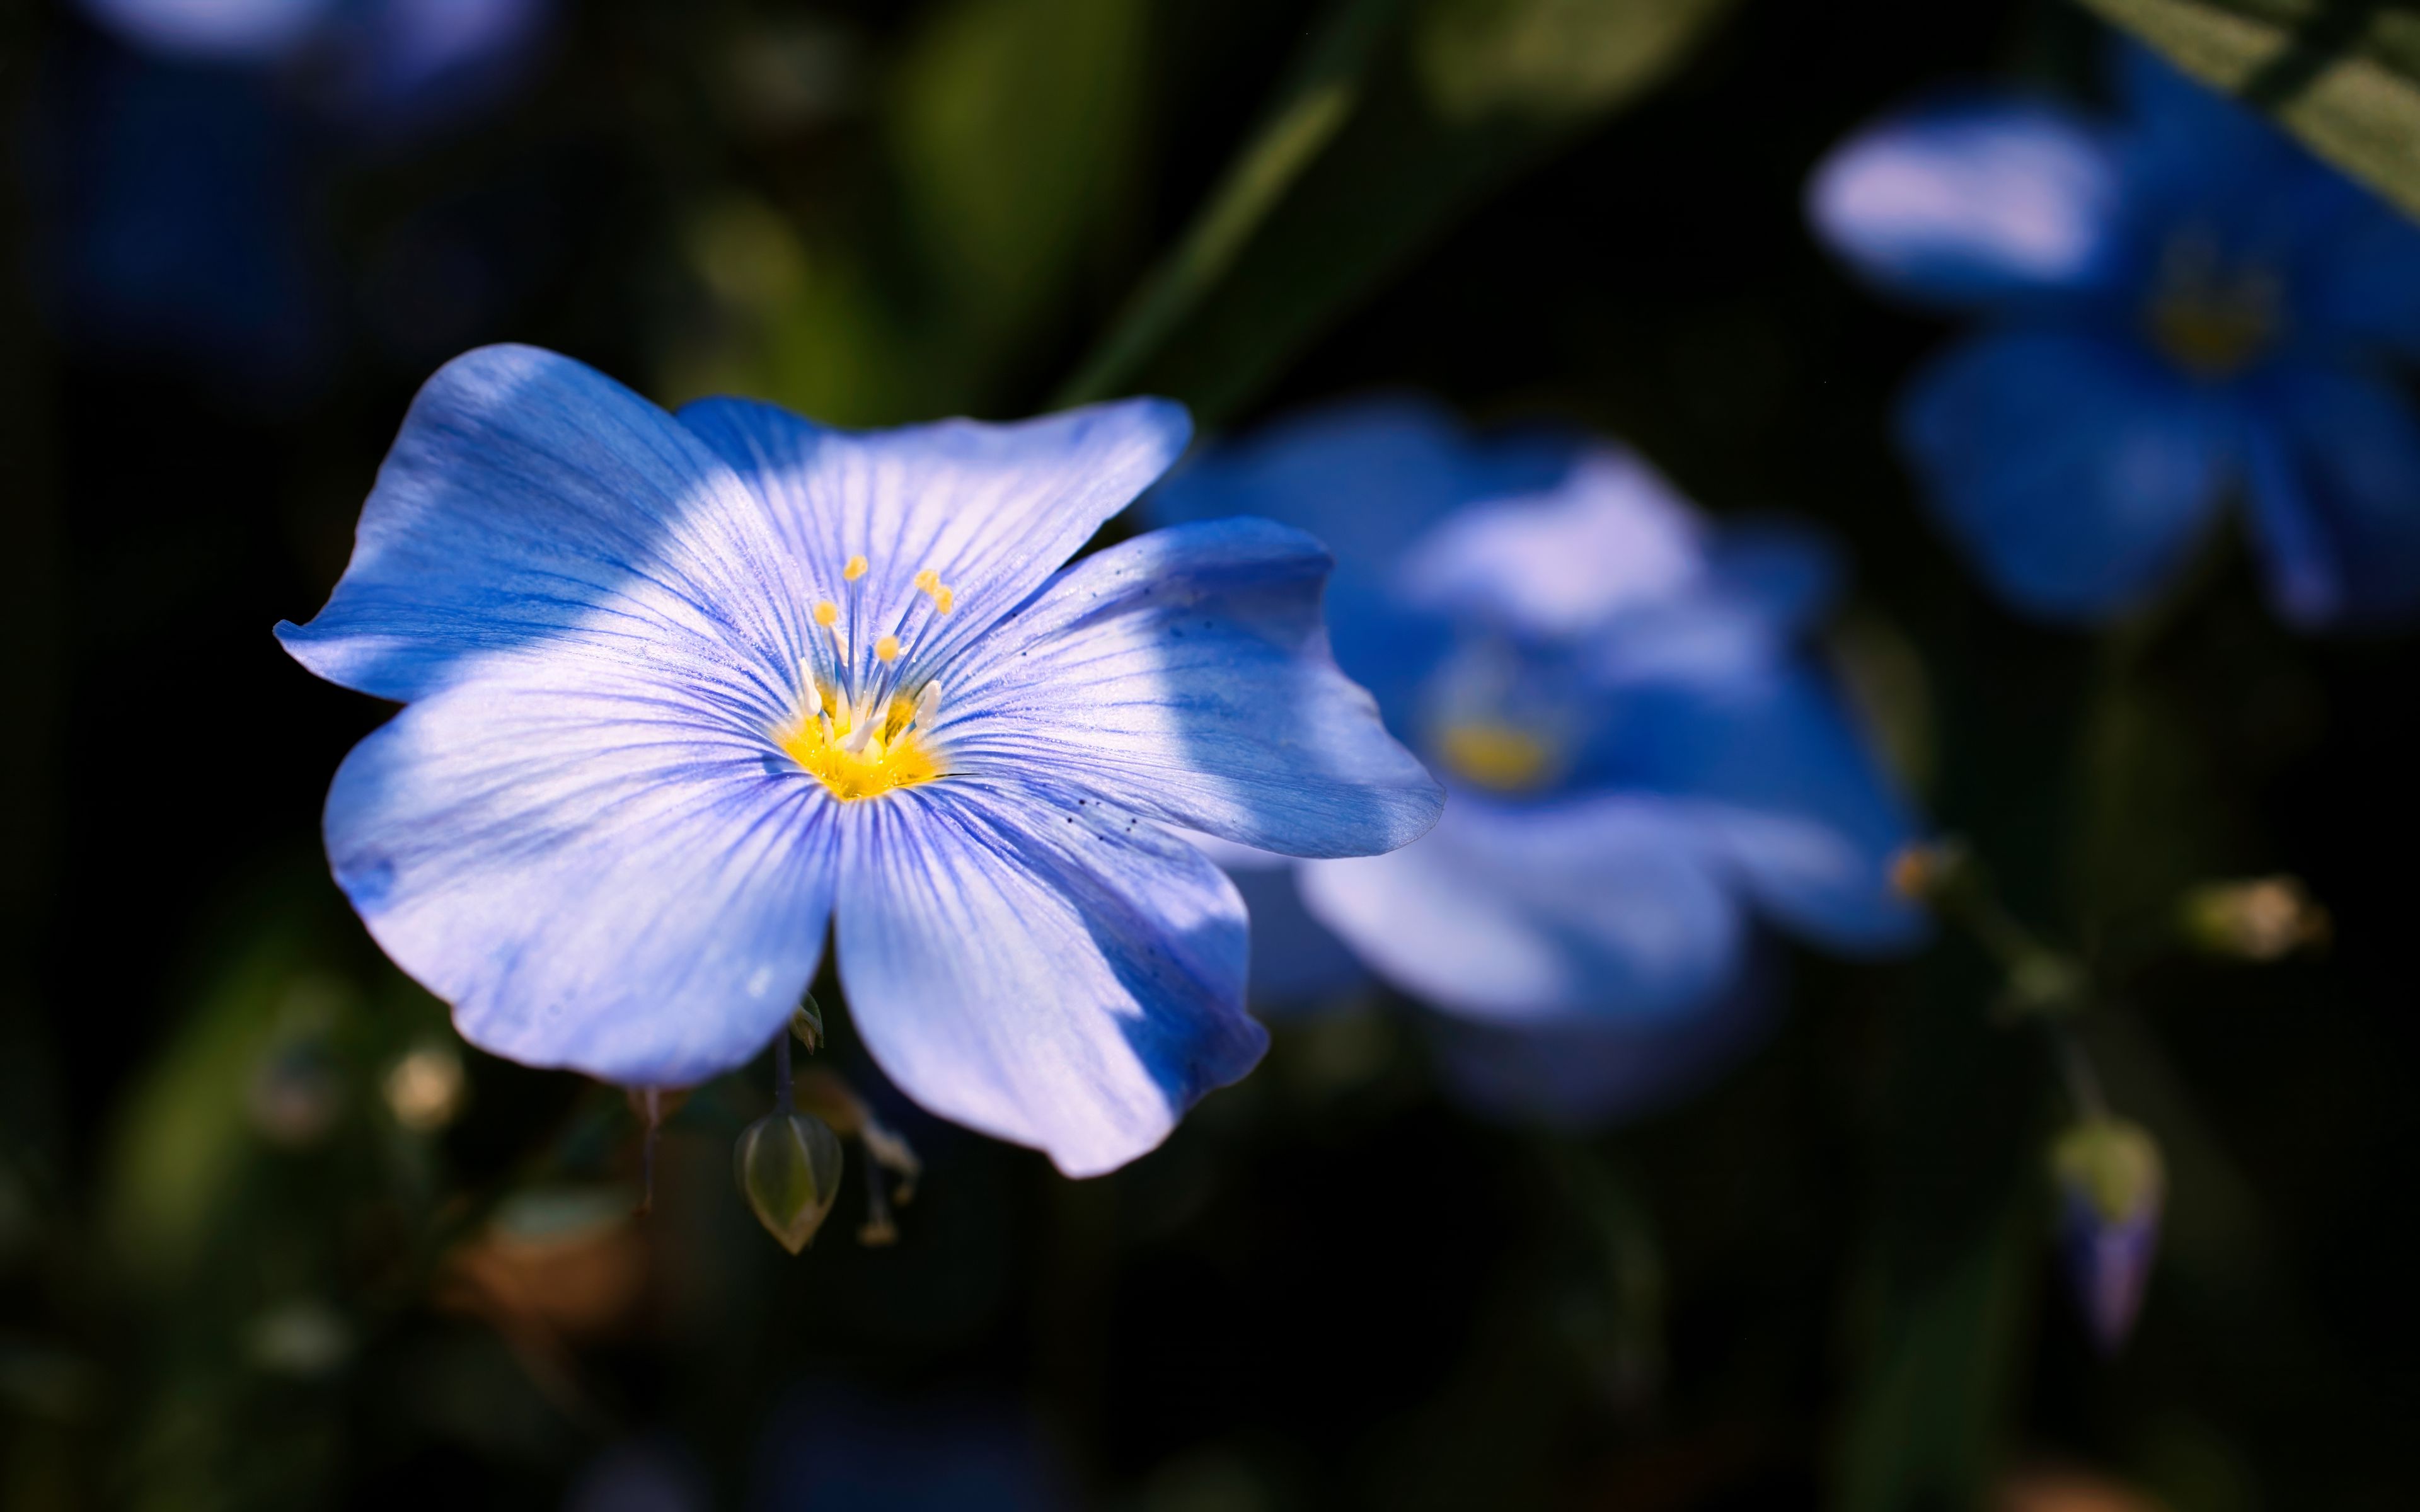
x=1494 y=755
x=2210 y=321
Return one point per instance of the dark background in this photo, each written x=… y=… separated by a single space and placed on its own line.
x=1826 y=1282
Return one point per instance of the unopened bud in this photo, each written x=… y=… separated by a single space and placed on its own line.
x=807 y=1023
x=1922 y=871
x=2266 y=918
x=788 y=1168
x=2111 y=1185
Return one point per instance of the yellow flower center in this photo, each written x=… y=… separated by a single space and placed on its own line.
x=2209 y=320
x=888 y=756
x=864 y=728
x=1494 y=755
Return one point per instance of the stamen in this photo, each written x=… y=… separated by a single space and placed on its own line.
x=928 y=705
x=945 y=600
x=855 y=569
x=826 y=613
x=928 y=582
x=886 y=649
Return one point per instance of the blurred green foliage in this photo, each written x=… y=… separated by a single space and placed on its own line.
x=2342 y=74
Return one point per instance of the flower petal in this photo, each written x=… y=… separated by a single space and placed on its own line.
x=1042 y=967
x=532 y=505
x=2336 y=497
x=590 y=868
x=993 y=510
x=1586 y=1074
x=1603 y=905
x=1778 y=785
x=2073 y=471
x=1974 y=201
x=1185 y=674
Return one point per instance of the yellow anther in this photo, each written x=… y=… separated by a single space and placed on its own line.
x=826 y=613
x=928 y=581
x=1494 y=755
x=943 y=599
x=855 y=569
x=887 y=648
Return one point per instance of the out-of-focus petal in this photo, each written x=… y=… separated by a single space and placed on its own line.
x=532 y=505
x=1781 y=785
x=597 y=866
x=1297 y=962
x=991 y=510
x=1586 y=1073
x=2074 y=471
x=1974 y=201
x=2336 y=497
x=2358 y=279
x=1042 y=967
x=1366 y=477
x=1607 y=905
x=222 y=30
x=1611 y=536
x=397 y=65
x=1185 y=674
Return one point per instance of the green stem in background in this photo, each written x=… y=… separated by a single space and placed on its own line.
x=1310 y=111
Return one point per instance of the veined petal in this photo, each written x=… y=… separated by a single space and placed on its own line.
x=1974 y=201
x=1185 y=674
x=1042 y=966
x=2073 y=471
x=532 y=505
x=991 y=510
x=597 y=872
x=2336 y=497
x=1603 y=905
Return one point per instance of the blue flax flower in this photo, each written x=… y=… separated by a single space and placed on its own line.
x=1641 y=759
x=2183 y=306
x=683 y=692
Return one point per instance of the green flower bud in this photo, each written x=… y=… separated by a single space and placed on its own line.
x=2265 y=919
x=788 y=1168
x=2111 y=1186
x=807 y=1023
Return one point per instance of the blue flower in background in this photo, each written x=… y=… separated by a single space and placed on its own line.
x=2185 y=305
x=389 y=65
x=683 y=692
x=175 y=220
x=1641 y=757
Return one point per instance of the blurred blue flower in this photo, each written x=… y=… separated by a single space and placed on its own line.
x=1641 y=758
x=834 y=1450
x=2183 y=304
x=387 y=66
x=683 y=692
x=175 y=220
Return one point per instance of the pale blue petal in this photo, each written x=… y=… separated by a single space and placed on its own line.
x=1974 y=202
x=1611 y=537
x=228 y=30
x=598 y=870
x=1606 y=905
x=1781 y=786
x=1589 y=1073
x=1185 y=674
x=2075 y=472
x=532 y=506
x=1042 y=967
x=993 y=510
x=1364 y=475
x=2336 y=497
x=1297 y=962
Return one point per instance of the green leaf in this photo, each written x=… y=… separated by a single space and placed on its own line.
x=2344 y=75
x=1398 y=117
